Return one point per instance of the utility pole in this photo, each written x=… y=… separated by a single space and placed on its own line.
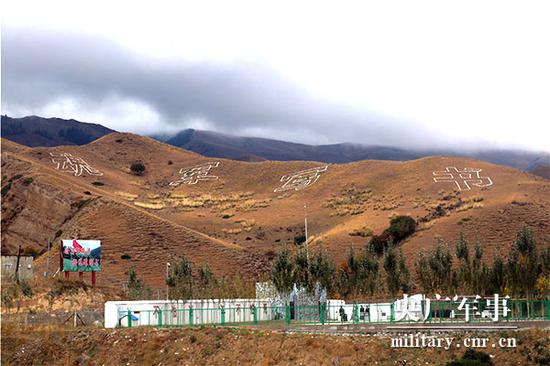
x=17 y=264
x=167 y=269
x=305 y=222
x=48 y=261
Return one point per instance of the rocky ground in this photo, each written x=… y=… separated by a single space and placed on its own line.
x=240 y=346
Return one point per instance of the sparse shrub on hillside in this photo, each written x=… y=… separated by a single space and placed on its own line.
x=31 y=252
x=472 y=358
x=137 y=168
x=363 y=232
x=401 y=227
x=97 y=183
x=27 y=181
x=63 y=287
x=155 y=205
x=299 y=239
x=5 y=189
x=80 y=203
x=126 y=256
x=232 y=231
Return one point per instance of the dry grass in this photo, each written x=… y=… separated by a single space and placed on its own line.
x=363 y=232
x=140 y=184
x=218 y=203
x=232 y=231
x=127 y=196
x=469 y=206
x=350 y=201
x=156 y=205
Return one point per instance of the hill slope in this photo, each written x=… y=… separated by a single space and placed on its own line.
x=235 y=215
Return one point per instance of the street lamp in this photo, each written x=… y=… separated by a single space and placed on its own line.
x=167 y=270
x=305 y=224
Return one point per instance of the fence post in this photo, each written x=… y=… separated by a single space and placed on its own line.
x=392 y=313
x=129 y=318
x=190 y=315
x=255 y=309
x=322 y=314
x=223 y=315
x=547 y=303
x=287 y=314
x=355 y=314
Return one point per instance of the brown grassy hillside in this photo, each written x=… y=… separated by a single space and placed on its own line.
x=236 y=222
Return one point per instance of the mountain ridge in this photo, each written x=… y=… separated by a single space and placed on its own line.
x=34 y=131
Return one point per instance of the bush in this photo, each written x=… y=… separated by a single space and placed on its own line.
x=26 y=288
x=27 y=181
x=62 y=287
x=125 y=256
x=473 y=358
x=30 y=252
x=137 y=168
x=99 y=184
x=401 y=227
x=299 y=239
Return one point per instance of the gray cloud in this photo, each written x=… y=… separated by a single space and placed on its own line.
x=39 y=68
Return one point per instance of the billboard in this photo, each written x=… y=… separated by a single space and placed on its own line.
x=81 y=255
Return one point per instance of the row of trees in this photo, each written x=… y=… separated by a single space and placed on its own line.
x=525 y=271
x=359 y=276
x=185 y=283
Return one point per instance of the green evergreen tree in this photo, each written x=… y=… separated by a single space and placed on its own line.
x=282 y=274
x=180 y=280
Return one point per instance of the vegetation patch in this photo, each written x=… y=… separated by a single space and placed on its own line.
x=401 y=227
x=137 y=168
x=157 y=205
x=27 y=181
x=127 y=196
x=363 y=232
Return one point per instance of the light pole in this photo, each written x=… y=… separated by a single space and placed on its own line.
x=167 y=274
x=305 y=222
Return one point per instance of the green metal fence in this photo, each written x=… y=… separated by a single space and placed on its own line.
x=364 y=313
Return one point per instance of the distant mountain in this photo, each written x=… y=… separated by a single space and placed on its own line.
x=37 y=131
x=220 y=145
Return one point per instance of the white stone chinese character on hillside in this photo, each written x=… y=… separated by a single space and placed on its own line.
x=464 y=178
x=196 y=173
x=301 y=179
x=77 y=166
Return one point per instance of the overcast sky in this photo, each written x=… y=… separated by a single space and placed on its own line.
x=467 y=74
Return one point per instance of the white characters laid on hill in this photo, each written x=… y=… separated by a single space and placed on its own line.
x=77 y=166
x=463 y=178
x=300 y=180
x=194 y=174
